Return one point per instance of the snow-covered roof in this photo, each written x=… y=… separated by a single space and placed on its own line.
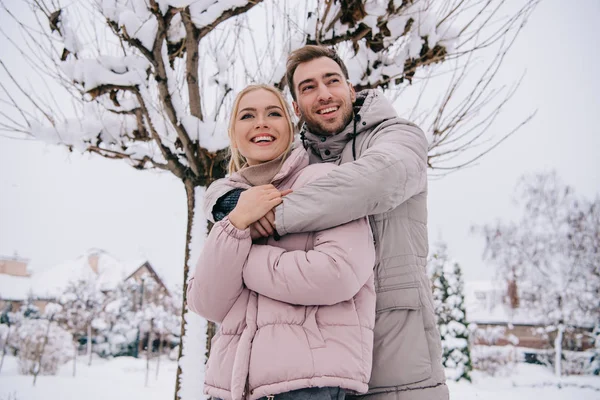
x=484 y=303
x=14 y=258
x=14 y=287
x=51 y=282
x=110 y=272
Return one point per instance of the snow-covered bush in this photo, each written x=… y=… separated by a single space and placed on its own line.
x=449 y=303
x=137 y=313
x=577 y=362
x=4 y=334
x=491 y=335
x=494 y=360
x=42 y=346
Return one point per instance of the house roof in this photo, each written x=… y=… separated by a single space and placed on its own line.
x=484 y=303
x=152 y=272
x=14 y=287
x=52 y=282
x=14 y=258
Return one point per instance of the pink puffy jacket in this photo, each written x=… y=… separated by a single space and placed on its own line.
x=293 y=313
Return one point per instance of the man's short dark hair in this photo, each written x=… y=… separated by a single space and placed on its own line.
x=306 y=54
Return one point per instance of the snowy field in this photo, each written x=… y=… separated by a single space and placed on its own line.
x=123 y=378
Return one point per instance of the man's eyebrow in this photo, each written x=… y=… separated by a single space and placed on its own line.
x=330 y=74
x=324 y=76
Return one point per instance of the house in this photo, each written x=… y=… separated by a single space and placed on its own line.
x=488 y=305
x=17 y=284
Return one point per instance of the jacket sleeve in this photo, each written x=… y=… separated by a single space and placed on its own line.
x=389 y=172
x=213 y=193
x=334 y=271
x=217 y=281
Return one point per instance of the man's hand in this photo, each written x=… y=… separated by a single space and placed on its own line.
x=264 y=227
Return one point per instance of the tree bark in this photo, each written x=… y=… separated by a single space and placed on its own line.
x=75 y=349
x=558 y=350
x=39 y=367
x=149 y=350
x=160 y=351
x=4 y=348
x=89 y=342
x=191 y=203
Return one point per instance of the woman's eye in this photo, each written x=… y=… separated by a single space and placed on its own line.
x=246 y=116
x=275 y=114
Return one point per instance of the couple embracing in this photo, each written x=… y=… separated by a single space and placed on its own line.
x=315 y=270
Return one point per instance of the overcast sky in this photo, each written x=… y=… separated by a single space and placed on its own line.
x=54 y=205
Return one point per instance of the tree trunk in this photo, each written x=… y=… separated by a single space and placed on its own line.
x=160 y=350
x=558 y=350
x=89 y=342
x=75 y=348
x=149 y=351
x=39 y=368
x=4 y=347
x=191 y=203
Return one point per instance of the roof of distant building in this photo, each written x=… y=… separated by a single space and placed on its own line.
x=50 y=283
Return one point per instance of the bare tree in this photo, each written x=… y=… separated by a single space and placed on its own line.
x=551 y=255
x=149 y=81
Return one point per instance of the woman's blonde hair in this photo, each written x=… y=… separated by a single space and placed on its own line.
x=236 y=160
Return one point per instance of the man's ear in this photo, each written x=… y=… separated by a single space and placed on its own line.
x=352 y=92
x=296 y=109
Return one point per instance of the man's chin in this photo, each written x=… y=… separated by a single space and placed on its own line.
x=326 y=129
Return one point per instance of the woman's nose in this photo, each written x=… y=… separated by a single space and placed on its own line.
x=261 y=122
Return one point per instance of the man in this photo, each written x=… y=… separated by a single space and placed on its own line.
x=383 y=175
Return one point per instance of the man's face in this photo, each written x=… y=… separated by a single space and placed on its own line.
x=323 y=96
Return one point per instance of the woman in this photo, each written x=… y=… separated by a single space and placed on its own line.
x=296 y=315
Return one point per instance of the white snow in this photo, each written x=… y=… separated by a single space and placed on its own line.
x=207 y=11
x=106 y=70
x=211 y=135
x=51 y=282
x=483 y=302
x=14 y=287
x=123 y=378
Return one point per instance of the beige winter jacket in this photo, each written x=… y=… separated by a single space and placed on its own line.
x=388 y=183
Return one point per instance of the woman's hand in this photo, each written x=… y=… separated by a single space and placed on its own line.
x=254 y=204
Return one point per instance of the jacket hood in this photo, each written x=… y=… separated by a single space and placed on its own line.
x=371 y=108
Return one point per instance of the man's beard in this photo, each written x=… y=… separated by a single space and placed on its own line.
x=318 y=128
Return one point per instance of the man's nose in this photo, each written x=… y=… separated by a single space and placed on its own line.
x=323 y=92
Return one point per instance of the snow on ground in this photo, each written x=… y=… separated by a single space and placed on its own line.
x=123 y=378
x=106 y=379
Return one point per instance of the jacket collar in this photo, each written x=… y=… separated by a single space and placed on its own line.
x=295 y=161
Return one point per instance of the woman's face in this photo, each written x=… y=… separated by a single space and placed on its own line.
x=261 y=130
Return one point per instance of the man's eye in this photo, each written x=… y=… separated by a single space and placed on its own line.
x=306 y=88
x=246 y=116
x=334 y=80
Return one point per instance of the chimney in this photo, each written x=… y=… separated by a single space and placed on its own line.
x=93 y=262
